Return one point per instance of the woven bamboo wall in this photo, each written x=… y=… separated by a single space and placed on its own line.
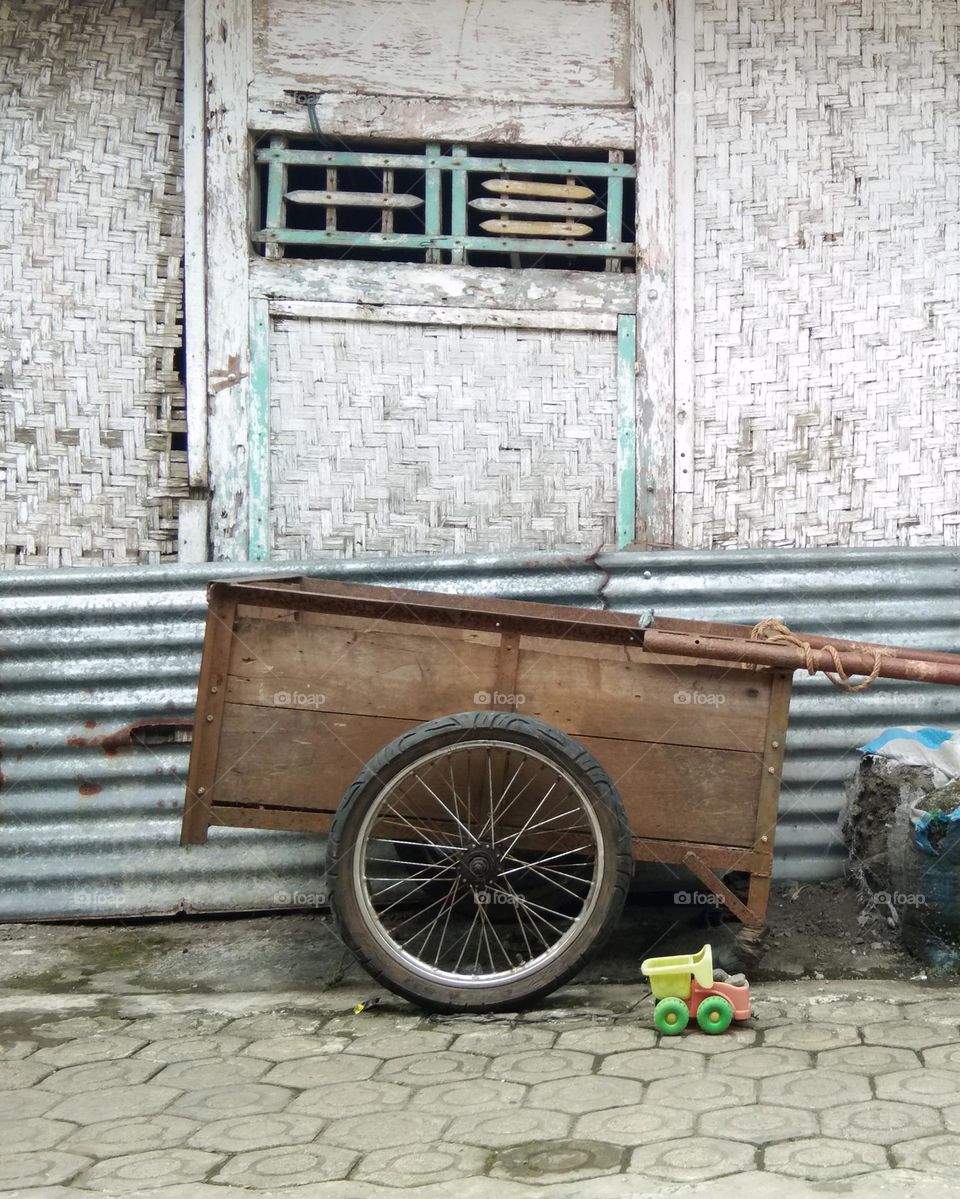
x=395 y=439
x=91 y=239
x=828 y=273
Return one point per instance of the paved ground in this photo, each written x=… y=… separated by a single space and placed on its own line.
x=853 y=1086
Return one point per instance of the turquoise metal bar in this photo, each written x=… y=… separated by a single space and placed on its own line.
x=422 y=162
x=614 y=209
x=458 y=206
x=258 y=433
x=276 y=185
x=626 y=431
x=418 y=241
x=433 y=209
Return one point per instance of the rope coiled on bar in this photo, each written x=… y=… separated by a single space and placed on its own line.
x=777 y=631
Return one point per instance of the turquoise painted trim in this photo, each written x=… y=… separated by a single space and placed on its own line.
x=258 y=433
x=432 y=209
x=418 y=241
x=445 y=162
x=626 y=431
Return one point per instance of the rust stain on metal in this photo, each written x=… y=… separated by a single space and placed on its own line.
x=112 y=743
x=87 y=790
x=229 y=377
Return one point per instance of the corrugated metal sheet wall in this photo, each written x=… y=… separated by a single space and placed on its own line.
x=90 y=824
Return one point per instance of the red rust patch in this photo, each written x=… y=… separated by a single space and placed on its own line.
x=88 y=789
x=112 y=743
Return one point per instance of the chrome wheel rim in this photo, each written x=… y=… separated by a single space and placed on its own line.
x=478 y=864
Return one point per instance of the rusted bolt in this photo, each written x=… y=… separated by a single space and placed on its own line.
x=209 y=719
x=213 y=691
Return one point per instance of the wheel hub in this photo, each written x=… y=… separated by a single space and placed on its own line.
x=479 y=865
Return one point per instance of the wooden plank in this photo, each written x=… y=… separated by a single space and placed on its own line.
x=737 y=907
x=684 y=275
x=228 y=251
x=721 y=857
x=775 y=741
x=194 y=257
x=306 y=761
x=419 y=241
x=258 y=432
x=418 y=678
x=505 y=675
x=641 y=701
x=421 y=314
x=398 y=283
x=208 y=720
x=676 y=792
x=653 y=98
x=560 y=51
x=281 y=819
x=192 y=530
x=626 y=430
x=415 y=118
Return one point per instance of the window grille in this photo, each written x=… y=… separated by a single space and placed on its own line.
x=438 y=203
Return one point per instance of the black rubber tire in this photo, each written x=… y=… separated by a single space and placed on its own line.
x=460 y=729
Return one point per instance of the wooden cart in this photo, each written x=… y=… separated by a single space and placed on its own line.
x=311 y=699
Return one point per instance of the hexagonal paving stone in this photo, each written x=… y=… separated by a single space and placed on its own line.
x=935 y=1088
x=191 y=1049
x=420 y=1164
x=693 y=1159
x=936 y=1011
x=89 y=1049
x=694 y=1041
x=705 y=1094
x=815 y=1089
x=287 y=1166
x=759 y=1123
x=81 y=1026
x=821 y=1159
x=351 y=1098
x=274 y=1024
x=322 y=1071
x=137 y=1171
x=650 y=1064
x=32 y=1132
x=472 y=1095
x=496 y=1040
x=112 y=1103
x=539 y=1065
x=908 y=1034
x=20 y=1104
x=761 y=1062
x=169 y=1028
x=936 y=1155
x=879 y=1122
x=867 y=1059
x=21 y=1074
x=567 y=1161
x=136 y=1134
x=814 y=1036
x=231 y=1101
x=498 y=1130
x=635 y=1124
x=212 y=1072
x=286 y=1049
x=14 y=1051
x=401 y=1044
x=857 y=1011
x=385 y=1129
x=266 y=1130
x=425 y=1069
x=73 y=1080
x=602 y=1039
x=589 y=1094
x=943 y=1057
x=46 y=1168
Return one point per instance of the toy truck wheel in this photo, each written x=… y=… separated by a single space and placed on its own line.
x=715 y=1014
x=477 y=861
x=671 y=1016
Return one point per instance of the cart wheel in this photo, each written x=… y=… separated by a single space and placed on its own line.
x=477 y=861
x=715 y=1014
x=671 y=1016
